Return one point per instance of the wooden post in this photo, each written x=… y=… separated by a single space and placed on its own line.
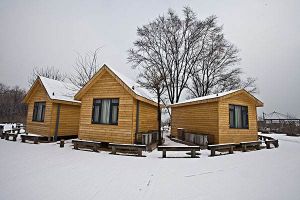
x=164 y=153
x=35 y=140
x=140 y=152
x=113 y=150
x=62 y=143
x=231 y=150
x=193 y=153
x=212 y=152
x=23 y=138
x=75 y=145
x=57 y=122
x=244 y=148
x=137 y=120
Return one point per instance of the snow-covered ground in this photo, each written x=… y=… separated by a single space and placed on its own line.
x=45 y=171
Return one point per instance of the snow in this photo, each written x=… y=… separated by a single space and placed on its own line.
x=134 y=86
x=45 y=171
x=212 y=96
x=58 y=90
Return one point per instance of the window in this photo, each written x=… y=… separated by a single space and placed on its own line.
x=238 y=116
x=105 y=111
x=39 y=111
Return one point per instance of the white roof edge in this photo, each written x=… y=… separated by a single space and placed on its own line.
x=133 y=85
x=208 y=97
x=59 y=90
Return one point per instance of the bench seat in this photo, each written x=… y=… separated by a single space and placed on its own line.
x=274 y=142
x=164 y=149
x=255 y=144
x=93 y=145
x=135 y=148
x=34 y=138
x=226 y=146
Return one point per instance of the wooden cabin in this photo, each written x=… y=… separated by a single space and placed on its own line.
x=228 y=117
x=52 y=110
x=115 y=109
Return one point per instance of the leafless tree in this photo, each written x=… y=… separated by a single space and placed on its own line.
x=48 y=72
x=153 y=81
x=85 y=67
x=173 y=46
x=11 y=107
x=218 y=71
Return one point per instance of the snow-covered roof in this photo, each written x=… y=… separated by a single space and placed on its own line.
x=58 y=90
x=212 y=96
x=134 y=86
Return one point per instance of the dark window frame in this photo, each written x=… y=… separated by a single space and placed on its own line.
x=244 y=113
x=36 y=109
x=110 y=111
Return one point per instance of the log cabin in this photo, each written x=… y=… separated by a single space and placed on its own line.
x=115 y=109
x=228 y=117
x=52 y=110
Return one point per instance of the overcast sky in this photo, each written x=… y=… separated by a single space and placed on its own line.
x=49 y=33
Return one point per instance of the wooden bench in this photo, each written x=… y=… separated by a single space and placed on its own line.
x=34 y=138
x=94 y=146
x=192 y=149
x=264 y=138
x=274 y=142
x=133 y=148
x=227 y=146
x=255 y=144
x=13 y=135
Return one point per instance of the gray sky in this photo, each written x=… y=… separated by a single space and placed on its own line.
x=49 y=33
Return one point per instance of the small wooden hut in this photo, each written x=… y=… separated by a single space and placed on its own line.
x=52 y=110
x=228 y=117
x=116 y=109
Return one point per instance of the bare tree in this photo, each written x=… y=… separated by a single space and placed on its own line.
x=153 y=81
x=48 y=72
x=218 y=71
x=85 y=67
x=173 y=47
x=11 y=107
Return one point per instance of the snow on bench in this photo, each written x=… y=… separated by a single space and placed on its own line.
x=86 y=144
x=226 y=146
x=255 y=144
x=164 y=149
x=133 y=148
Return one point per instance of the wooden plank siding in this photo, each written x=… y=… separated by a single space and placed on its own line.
x=197 y=118
x=69 y=115
x=68 y=120
x=233 y=135
x=107 y=87
x=212 y=117
x=42 y=128
x=147 y=117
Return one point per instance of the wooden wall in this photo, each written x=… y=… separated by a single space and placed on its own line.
x=68 y=120
x=198 y=118
x=237 y=135
x=147 y=117
x=213 y=119
x=107 y=87
x=41 y=128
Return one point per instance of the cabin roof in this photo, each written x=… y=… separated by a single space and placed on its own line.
x=217 y=97
x=130 y=85
x=56 y=90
